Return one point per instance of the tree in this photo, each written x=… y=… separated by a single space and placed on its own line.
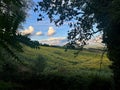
x=12 y=14
x=105 y=14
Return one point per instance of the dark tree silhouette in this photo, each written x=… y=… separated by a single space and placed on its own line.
x=85 y=14
x=12 y=14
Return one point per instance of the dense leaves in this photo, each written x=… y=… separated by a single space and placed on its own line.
x=12 y=14
x=83 y=16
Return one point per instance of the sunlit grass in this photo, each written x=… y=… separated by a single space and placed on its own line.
x=57 y=61
x=53 y=65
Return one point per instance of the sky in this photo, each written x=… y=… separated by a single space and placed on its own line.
x=44 y=31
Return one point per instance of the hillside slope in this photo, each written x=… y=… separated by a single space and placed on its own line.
x=50 y=68
x=50 y=60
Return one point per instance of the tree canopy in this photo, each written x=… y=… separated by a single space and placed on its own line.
x=84 y=13
x=12 y=14
x=105 y=14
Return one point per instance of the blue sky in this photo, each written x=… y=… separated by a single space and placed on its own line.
x=44 y=31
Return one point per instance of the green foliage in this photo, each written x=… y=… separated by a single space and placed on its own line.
x=84 y=14
x=8 y=86
x=8 y=66
x=53 y=68
x=12 y=14
x=27 y=41
x=57 y=61
x=101 y=83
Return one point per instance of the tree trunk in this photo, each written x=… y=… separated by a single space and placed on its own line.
x=113 y=45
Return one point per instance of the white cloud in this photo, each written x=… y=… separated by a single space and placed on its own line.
x=95 y=42
x=55 y=41
x=39 y=33
x=51 y=31
x=30 y=30
x=97 y=39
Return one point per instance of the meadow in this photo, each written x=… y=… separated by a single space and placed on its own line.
x=59 y=61
x=52 y=68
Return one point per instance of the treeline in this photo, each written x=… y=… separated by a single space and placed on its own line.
x=68 y=46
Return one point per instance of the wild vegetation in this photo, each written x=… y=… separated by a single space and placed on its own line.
x=51 y=68
x=54 y=68
x=85 y=14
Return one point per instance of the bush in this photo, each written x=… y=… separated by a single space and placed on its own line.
x=101 y=83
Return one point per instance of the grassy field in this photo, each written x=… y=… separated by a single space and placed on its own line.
x=50 y=60
x=53 y=68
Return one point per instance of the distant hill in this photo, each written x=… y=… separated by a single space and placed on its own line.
x=95 y=45
x=95 y=42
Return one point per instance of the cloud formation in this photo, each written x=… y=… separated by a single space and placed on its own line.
x=97 y=39
x=30 y=30
x=39 y=33
x=55 y=41
x=51 y=31
x=95 y=42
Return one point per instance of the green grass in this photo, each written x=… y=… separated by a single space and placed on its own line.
x=50 y=68
x=57 y=61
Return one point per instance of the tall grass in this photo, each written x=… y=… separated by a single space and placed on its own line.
x=60 y=70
